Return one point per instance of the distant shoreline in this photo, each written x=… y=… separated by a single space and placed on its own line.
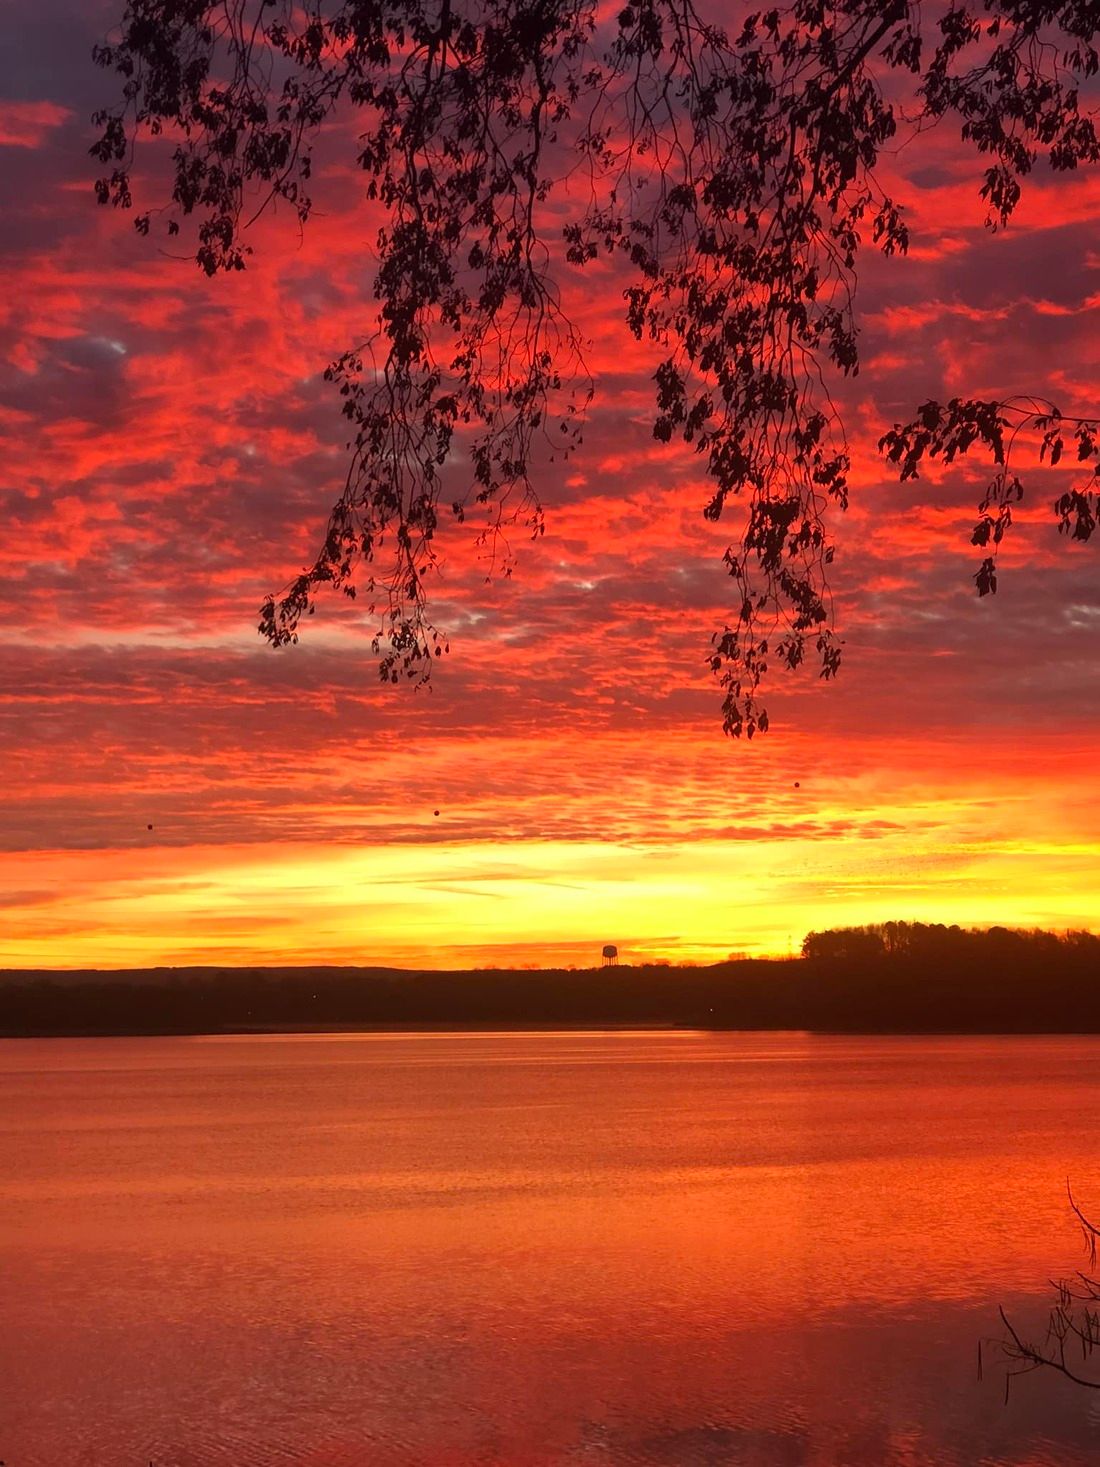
x=898 y=979
x=262 y=1031
x=414 y=1030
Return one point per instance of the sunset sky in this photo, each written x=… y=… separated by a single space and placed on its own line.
x=171 y=453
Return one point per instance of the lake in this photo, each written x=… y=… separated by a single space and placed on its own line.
x=539 y=1248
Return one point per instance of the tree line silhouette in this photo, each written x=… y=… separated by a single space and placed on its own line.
x=897 y=977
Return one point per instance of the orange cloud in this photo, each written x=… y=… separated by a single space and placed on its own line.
x=171 y=453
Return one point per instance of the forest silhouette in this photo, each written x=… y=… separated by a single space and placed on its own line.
x=895 y=978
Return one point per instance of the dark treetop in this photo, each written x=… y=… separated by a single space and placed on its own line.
x=899 y=977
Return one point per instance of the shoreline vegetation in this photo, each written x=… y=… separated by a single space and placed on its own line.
x=897 y=977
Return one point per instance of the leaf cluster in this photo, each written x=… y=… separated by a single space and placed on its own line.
x=724 y=175
x=948 y=431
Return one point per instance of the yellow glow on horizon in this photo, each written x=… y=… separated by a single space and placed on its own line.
x=544 y=903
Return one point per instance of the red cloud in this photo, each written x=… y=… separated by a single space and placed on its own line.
x=28 y=124
x=171 y=453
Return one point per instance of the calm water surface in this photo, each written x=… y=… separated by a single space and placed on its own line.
x=652 y=1248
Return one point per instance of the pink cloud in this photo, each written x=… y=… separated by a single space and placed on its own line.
x=28 y=124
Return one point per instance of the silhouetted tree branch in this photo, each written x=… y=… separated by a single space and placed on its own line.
x=728 y=176
x=948 y=432
x=1073 y=1326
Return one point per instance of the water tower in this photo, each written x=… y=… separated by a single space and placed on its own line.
x=611 y=956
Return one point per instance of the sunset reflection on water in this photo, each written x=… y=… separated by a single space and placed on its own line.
x=536 y=1248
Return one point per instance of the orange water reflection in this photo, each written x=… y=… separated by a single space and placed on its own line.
x=535 y=1248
